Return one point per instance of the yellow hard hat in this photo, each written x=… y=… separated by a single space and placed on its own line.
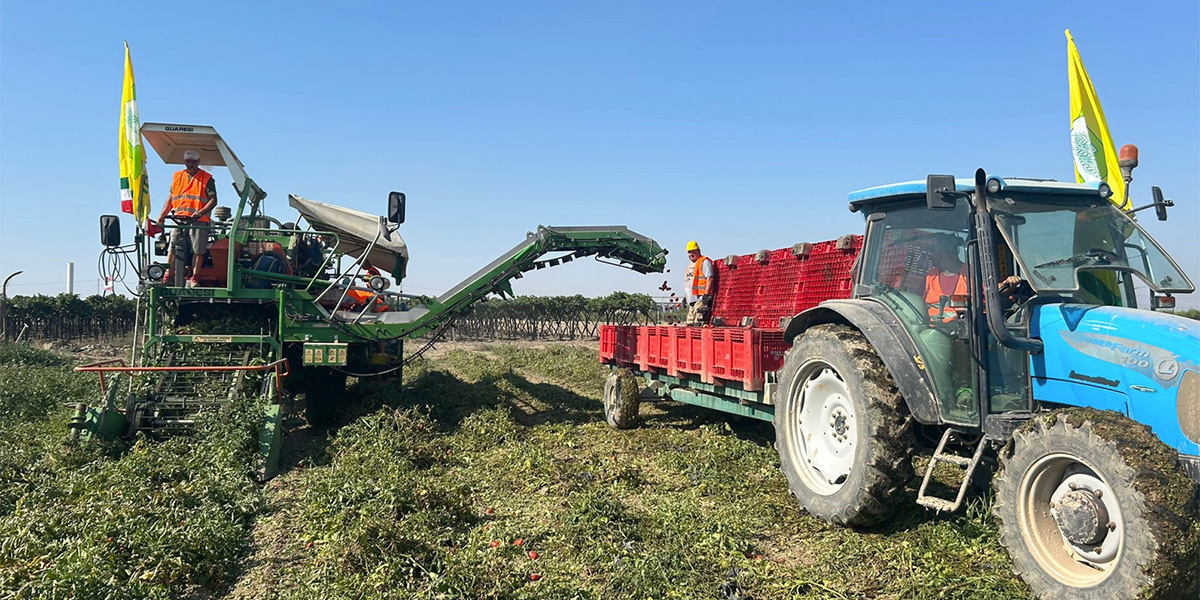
x=692 y=245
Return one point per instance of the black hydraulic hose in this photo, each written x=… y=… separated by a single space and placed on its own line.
x=987 y=262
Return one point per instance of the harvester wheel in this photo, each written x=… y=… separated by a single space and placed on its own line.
x=843 y=432
x=323 y=388
x=622 y=398
x=1091 y=504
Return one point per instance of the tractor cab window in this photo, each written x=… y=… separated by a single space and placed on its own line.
x=915 y=264
x=1083 y=248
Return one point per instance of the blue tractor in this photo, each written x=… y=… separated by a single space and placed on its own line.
x=998 y=322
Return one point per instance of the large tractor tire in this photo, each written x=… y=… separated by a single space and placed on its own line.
x=843 y=432
x=622 y=399
x=323 y=391
x=1091 y=505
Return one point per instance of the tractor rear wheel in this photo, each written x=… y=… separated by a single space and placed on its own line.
x=323 y=390
x=843 y=432
x=1091 y=504
x=622 y=399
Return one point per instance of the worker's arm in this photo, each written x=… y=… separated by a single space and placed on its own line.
x=166 y=209
x=210 y=191
x=1010 y=282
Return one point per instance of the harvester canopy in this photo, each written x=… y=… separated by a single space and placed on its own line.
x=171 y=140
x=357 y=231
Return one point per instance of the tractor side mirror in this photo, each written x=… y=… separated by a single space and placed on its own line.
x=395 y=213
x=110 y=231
x=940 y=193
x=1160 y=205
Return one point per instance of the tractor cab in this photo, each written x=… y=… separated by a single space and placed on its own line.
x=968 y=281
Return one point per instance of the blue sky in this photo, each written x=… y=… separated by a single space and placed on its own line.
x=742 y=125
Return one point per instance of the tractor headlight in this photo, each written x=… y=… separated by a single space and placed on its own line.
x=1187 y=405
x=1105 y=191
x=993 y=185
x=155 y=272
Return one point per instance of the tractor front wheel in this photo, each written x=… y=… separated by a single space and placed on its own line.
x=842 y=429
x=1091 y=505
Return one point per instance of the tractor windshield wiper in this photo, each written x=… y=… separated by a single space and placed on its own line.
x=1095 y=255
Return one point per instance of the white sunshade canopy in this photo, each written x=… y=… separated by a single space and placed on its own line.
x=356 y=230
x=171 y=140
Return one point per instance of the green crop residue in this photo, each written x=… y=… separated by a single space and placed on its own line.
x=492 y=474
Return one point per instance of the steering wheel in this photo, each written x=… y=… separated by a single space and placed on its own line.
x=178 y=219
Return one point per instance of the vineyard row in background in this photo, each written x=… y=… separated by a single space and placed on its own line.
x=67 y=317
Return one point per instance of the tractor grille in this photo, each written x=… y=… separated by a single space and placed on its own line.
x=1188 y=405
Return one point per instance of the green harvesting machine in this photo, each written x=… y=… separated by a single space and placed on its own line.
x=279 y=308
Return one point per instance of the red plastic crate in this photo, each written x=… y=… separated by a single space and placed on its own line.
x=688 y=346
x=736 y=295
x=654 y=348
x=743 y=355
x=778 y=288
x=617 y=344
x=608 y=344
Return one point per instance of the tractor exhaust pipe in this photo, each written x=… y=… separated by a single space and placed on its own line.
x=987 y=263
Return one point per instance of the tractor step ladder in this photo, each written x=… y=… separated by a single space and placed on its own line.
x=968 y=463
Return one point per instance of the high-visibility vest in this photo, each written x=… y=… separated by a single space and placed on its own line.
x=364 y=298
x=188 y=194
x=934 y=293
x=697 y=277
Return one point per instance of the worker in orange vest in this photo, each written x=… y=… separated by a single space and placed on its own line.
x=698 y=286
x=193 y=196
x=948 y=278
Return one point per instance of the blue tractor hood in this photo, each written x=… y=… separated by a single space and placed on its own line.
x=1138 y=358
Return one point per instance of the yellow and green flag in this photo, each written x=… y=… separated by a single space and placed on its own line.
x=1091 y=144
x=135 y=186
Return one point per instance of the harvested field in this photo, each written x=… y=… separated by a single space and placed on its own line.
x=492 y=475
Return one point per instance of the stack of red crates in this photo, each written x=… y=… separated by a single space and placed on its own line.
x=737 y=288
x=780 y=283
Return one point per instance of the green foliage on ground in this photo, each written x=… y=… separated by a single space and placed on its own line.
x=139 y=519
x=428 y=498
x=35 y=382
x=426 y=494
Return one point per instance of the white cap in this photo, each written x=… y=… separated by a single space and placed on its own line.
x=191 y=155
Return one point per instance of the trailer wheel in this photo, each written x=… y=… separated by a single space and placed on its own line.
x=323 y=388
x=1091 y=504
x=622 y=399
x=843 y=432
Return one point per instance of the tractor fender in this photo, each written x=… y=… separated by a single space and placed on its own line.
x=889 y=339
